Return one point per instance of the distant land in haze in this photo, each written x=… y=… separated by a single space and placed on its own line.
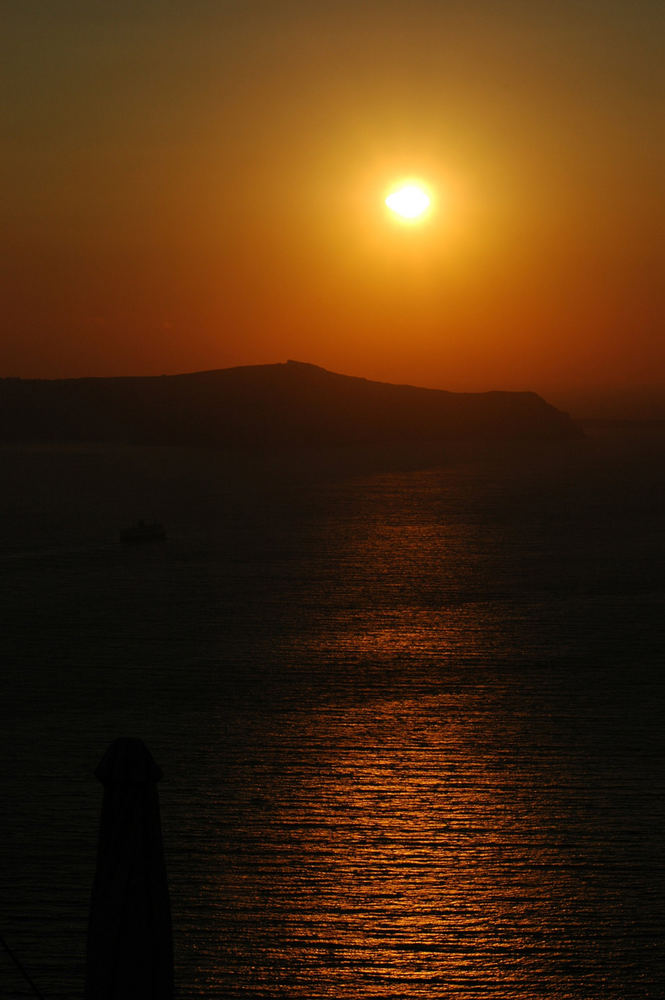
x=642 y=404
x=277 y=405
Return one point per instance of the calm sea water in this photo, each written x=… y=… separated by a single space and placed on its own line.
x=411 y=722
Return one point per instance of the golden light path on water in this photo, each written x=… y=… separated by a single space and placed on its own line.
x=403 y=755
x=396 y=850
x=436 y=844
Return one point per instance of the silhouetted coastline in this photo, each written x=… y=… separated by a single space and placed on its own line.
x=267 y=406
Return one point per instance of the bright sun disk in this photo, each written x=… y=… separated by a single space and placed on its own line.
x=409 y=201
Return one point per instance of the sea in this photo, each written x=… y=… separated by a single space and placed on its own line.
x=409 y=708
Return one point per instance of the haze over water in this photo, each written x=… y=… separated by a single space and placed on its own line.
x=411 y=722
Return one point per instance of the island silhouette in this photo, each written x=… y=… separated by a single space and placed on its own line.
x=294 y=404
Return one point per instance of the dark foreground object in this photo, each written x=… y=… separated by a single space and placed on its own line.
x=130 y=951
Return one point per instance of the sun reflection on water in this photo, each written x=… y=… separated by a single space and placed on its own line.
x=400 y=854
x=398 y=830
x=404 y=756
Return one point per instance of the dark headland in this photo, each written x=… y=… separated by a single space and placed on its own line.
x=279 y=405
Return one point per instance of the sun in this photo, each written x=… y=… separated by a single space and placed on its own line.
x=410 y=201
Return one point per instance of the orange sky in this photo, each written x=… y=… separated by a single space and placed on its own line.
x=190 y=186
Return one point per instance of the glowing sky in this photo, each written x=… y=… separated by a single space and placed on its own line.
x=196 y=185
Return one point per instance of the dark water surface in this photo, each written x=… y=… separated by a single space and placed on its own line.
x=411 y=723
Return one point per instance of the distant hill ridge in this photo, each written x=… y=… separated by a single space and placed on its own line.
x=276 y=405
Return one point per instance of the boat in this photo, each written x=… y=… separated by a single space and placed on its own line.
x=144 y=531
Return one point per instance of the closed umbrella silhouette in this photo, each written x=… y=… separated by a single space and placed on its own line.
x=130 y=951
